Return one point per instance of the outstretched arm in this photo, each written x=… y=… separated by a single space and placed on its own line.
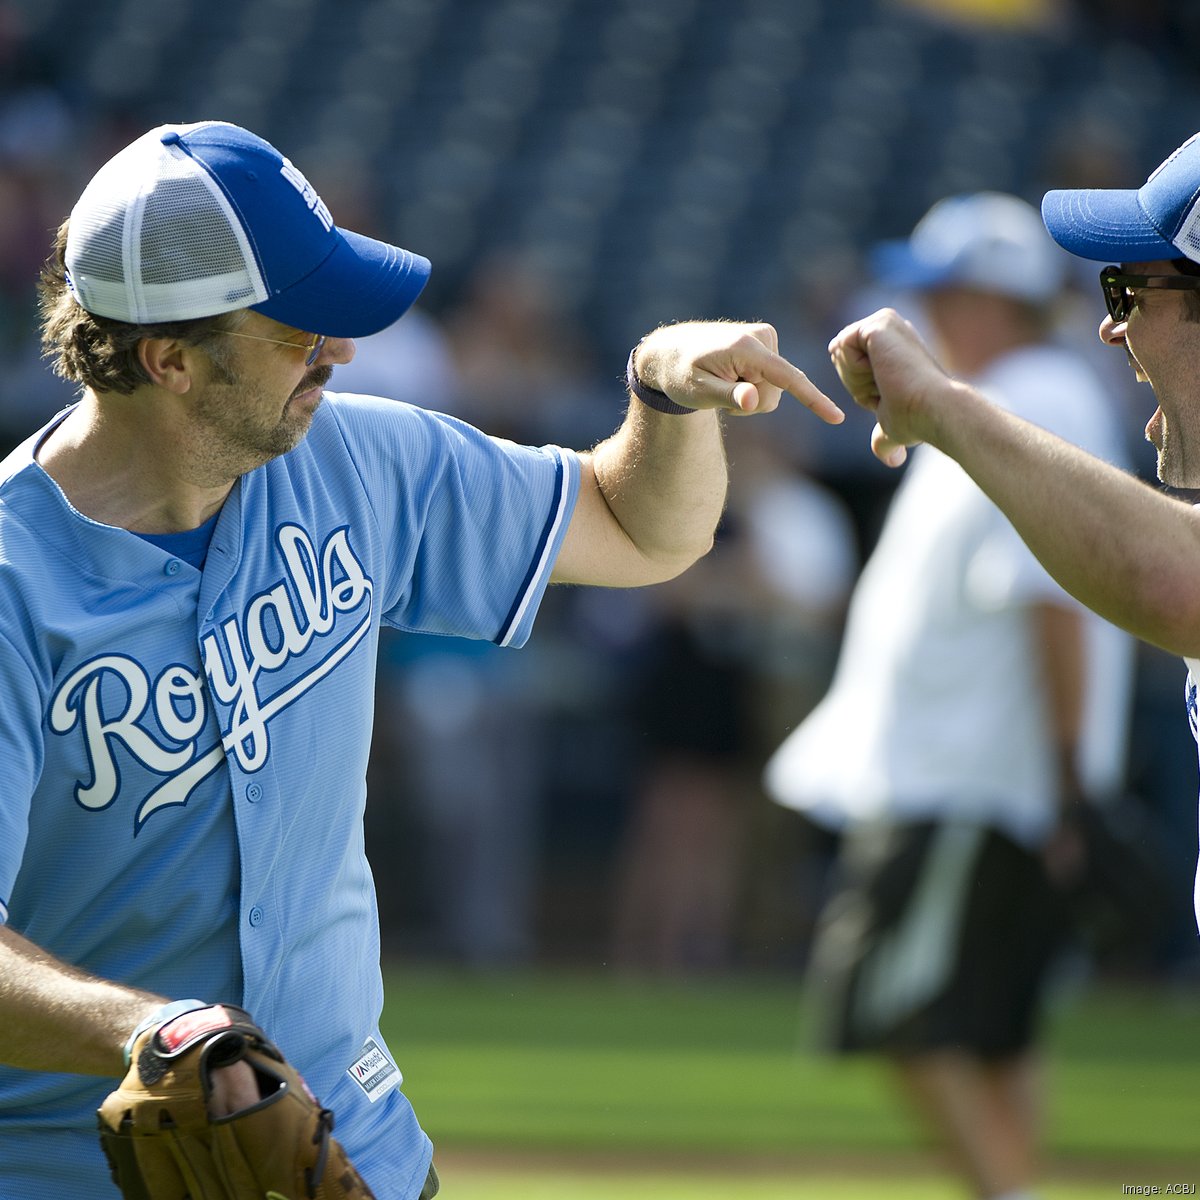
x=651 y=495
x=1126 y=550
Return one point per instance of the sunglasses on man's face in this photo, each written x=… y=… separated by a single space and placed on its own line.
x=1120 y=290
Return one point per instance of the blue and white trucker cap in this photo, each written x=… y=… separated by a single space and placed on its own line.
x=989 y=241
x=195 y=220
x=1161 y=219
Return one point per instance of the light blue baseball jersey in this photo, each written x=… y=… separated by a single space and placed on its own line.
x=1190 y=700
x=185 y=751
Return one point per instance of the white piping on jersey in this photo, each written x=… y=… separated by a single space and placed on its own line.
x=548 y=542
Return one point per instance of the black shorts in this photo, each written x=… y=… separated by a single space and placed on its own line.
x=941 y=936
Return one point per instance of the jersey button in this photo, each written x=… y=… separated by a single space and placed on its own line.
x=256 y=916
x=253 y=793
x=172 y=567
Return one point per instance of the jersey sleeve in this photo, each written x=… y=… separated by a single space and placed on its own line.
x=21 y=752
x=472 y=523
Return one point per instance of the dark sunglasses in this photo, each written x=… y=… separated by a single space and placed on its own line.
x=1119 y=289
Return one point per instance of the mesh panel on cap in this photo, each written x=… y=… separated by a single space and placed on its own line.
x=154 y=239
x=1188 y=237
x=100 y=254
x=185 y=236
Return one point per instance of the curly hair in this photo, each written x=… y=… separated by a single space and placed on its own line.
x=101 y=353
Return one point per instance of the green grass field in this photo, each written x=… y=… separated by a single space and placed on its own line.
x=558 y=1085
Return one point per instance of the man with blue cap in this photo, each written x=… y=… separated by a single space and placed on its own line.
x=973 y=707
x=1128 y=551
x=196 y=559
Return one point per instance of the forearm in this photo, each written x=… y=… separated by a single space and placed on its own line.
x=56 y=1018
x=1122 y=548
x=651 y=495
x=1127 y=551
x=664 y=479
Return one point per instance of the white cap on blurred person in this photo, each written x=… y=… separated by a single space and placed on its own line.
x=986 y=240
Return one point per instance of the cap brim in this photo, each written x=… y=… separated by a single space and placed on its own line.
x=895 y=265
x=363 y=286
x=1108 y=225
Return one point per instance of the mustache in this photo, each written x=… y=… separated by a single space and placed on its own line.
x=318 y=378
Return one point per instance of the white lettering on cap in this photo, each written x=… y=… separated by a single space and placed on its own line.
x=1172 y=156
x=306 y=189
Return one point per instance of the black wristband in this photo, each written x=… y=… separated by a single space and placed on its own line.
x=651 y=397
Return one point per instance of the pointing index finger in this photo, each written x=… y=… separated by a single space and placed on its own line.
x=785 y=375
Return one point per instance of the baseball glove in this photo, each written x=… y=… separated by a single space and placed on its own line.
x=162 y=1143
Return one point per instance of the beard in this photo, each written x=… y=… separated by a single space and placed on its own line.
x=244 y=427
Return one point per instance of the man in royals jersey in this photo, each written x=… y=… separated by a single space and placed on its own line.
x=195 y=562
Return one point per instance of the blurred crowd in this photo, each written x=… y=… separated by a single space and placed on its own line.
x=597 y=791
x=597 y=796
